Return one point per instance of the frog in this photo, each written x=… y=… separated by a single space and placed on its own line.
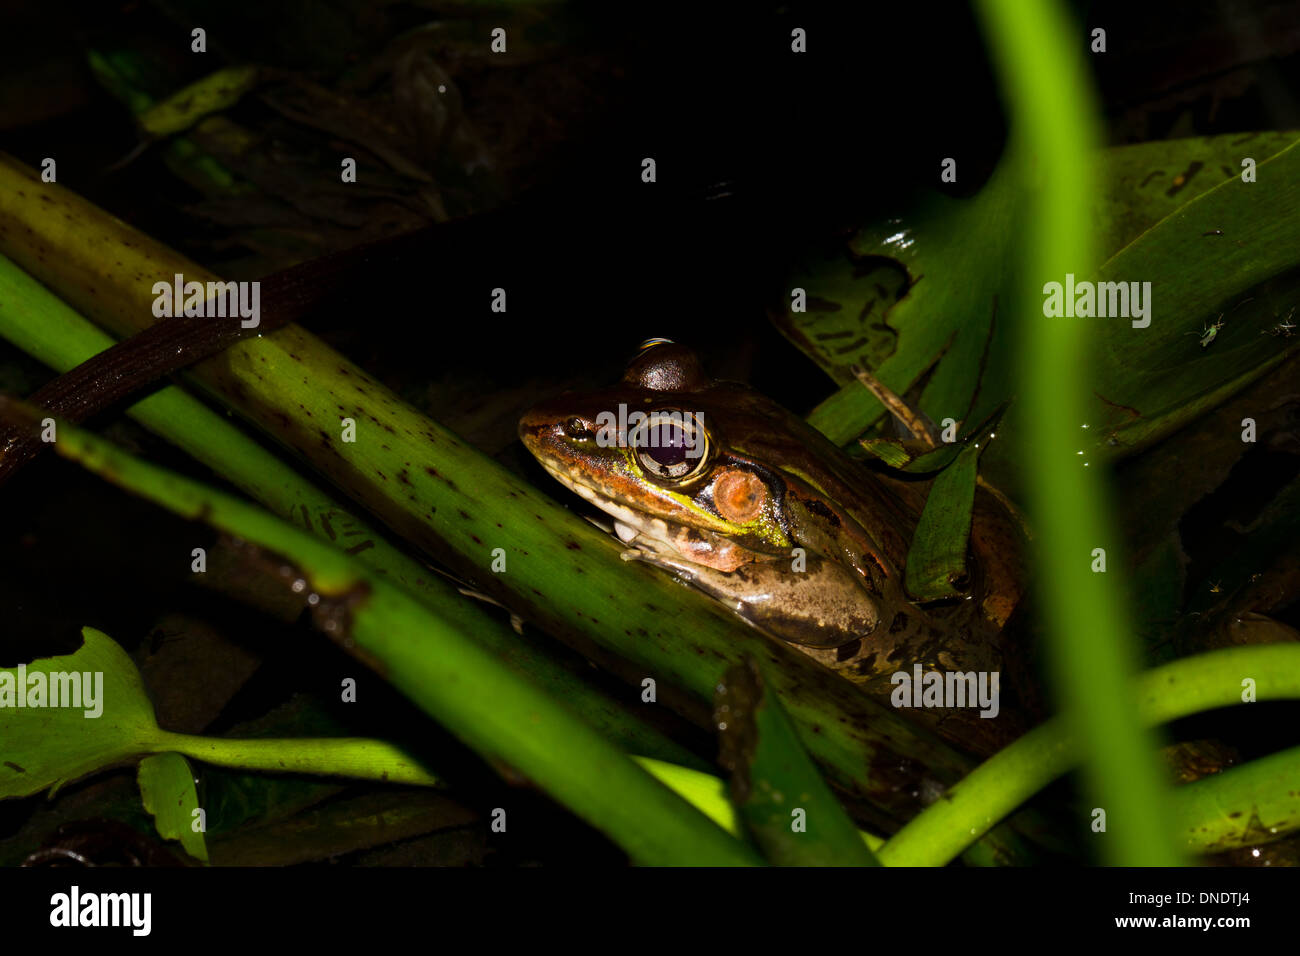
x=739 y=498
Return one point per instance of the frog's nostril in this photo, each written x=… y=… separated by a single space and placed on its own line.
x=575 y=428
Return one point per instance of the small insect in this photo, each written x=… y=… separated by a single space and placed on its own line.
x=1208 y=333
x=1216 y=587
x=1285 y=328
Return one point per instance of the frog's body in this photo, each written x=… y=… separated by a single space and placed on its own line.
x=746 y=502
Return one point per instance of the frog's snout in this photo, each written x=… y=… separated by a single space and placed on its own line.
x=534 y=429
x=543 y=431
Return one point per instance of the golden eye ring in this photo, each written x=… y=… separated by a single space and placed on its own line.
x=671 y=445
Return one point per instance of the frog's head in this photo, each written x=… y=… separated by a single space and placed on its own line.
x=653 y=452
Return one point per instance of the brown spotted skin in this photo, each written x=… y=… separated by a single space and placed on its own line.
x=770 y=484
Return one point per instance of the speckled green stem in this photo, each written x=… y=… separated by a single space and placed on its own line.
x=43 y=326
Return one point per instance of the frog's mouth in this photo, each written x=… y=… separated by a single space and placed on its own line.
x=629 y=523
x=650 y=534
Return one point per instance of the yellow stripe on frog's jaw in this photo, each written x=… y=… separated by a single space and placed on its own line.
x=645 y=519
x=761 y=527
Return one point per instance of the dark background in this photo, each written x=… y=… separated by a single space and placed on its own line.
x=759 y=153
x=758 y=150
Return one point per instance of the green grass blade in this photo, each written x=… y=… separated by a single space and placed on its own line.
x=936 y=561
x=1037 y=57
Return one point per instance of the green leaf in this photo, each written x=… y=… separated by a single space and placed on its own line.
x=212 y=94
x=167 y=789
x=1145 y=182
x=1205 y=248
x=935 y=460
x=1162 y=372
x=893 y=451
x=936 y=561
x=48 y=746
x=781 y=798
x=929 y=316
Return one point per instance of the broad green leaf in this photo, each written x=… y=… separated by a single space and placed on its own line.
x=936 y=559
x=936 y=460
x=1162 y=372
x=48 y=746
x=1205 y=245
x=1144 y=182
x=946 y=261
x=167 y=789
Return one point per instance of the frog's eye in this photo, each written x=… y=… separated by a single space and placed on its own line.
x=671 y=445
